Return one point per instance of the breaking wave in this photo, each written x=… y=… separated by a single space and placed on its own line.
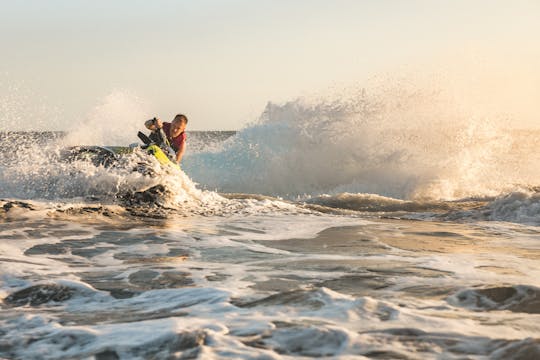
x=403 y=141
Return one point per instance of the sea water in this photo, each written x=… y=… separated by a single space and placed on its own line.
x=384 y=224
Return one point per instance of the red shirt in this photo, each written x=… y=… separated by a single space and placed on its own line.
x=176 y=142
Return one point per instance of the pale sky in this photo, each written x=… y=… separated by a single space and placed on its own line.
x=220 y=62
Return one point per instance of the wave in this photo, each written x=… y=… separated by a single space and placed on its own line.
x=519 y=207
x=377 y=203
x=517 y=298
x=400 y=141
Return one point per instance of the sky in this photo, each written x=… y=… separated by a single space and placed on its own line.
x=220 y=62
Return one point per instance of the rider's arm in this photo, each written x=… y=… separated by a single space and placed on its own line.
x=151 y=124
x=180 y=152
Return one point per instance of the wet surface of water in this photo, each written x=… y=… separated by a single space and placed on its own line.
x=233 y=287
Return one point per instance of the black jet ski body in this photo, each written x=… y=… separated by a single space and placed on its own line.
x=97 y=155
x=108 y=156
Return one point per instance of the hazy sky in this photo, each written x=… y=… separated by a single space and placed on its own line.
x=221 y=61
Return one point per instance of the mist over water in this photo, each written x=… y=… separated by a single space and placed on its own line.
x=400 y=139
x=114 y=121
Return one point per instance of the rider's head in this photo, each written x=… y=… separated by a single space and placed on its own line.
x=178 y=125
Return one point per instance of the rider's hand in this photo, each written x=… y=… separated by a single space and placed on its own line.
x=153 y=124
x=158 y=123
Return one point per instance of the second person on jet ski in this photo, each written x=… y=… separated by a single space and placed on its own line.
x=174 y=132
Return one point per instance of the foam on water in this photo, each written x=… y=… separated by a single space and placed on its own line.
x=43 y=176
x=268 y=285
x=314 y=323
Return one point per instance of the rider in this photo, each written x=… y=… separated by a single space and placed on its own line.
x=174 y=131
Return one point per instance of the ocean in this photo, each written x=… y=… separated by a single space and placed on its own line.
x=373 y=228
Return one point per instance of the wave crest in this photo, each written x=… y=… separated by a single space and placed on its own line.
x=402 y=141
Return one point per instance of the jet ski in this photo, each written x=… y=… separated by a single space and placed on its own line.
x=97 y=155
x=158 y=146
x=155 y=145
